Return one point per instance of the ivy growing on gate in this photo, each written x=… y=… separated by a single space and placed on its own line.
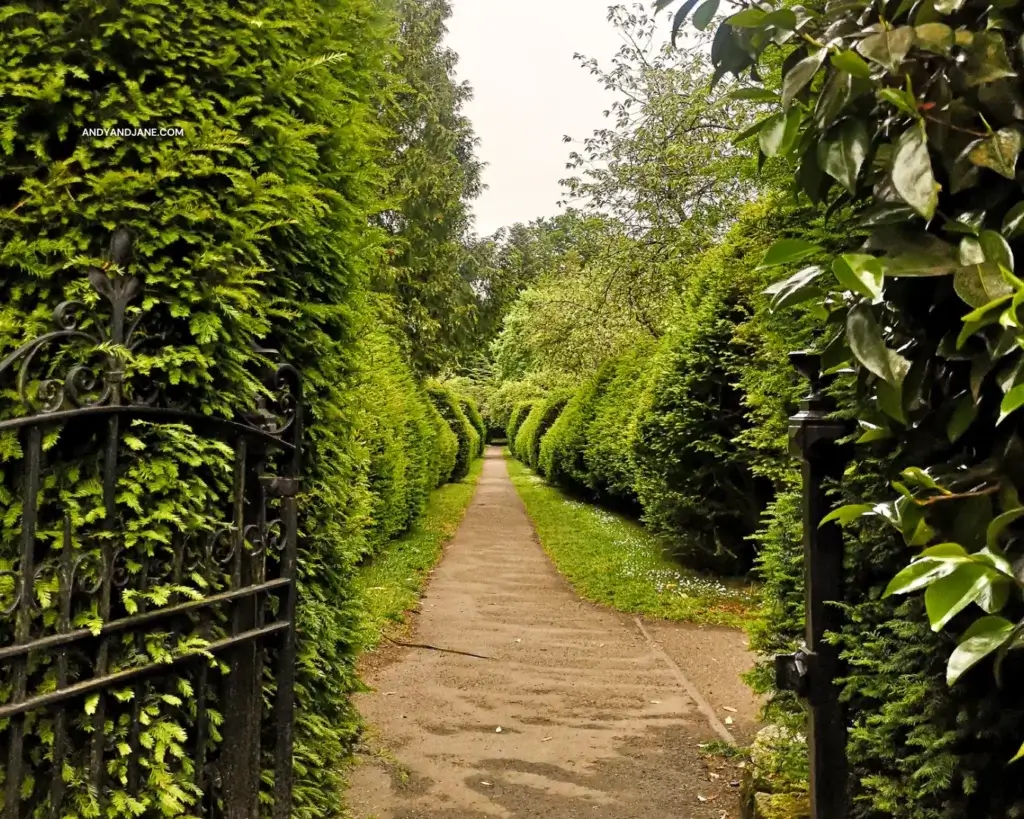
x=912 y=110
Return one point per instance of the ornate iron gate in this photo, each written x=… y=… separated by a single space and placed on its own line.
x=147 y=576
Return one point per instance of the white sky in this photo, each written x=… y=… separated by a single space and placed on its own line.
x=528 y=92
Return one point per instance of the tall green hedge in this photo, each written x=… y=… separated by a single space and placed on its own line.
x=251 y=230
x=472 y=412
x=608 y=450
x=407 y=440
x=561 y=450
x=536 y=425
x=450 y=407
x=516 y=418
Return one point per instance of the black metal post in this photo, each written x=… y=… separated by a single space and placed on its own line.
x=811 y=672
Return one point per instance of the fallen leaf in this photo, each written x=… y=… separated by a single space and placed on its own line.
x=389 y=693
x=655 y=702
x=701 y=798
x=547 y=739
x=713 y=775
x=727 y=708
x=485 y=783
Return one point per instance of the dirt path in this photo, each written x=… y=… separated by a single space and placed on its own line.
x=600 y=714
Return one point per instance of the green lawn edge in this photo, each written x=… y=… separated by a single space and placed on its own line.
x=612 y=560
x=387 y=587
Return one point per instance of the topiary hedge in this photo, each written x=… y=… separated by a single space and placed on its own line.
x=516 y=418
x=536 y=424
x=251 y=231
x=450 y=407
x=608 y=448
x=469 y=407
x=561 y=450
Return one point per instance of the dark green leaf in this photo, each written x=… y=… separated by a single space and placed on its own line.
x=800 y=75
x=845 y=515
x=797 y=288
x=833 y=98
x=996 y=249
x=931 y=565
x=702 y=16
x=950 y=595
x=985 y=635
x=748 y=18
x=1013 y=222
x=987 y=60
x=980 y=284
x=965 y=410
x=680 y=18
x=1012 y=401
x=913 y=253
x=999 y=524
x=865 y=339
x=842 y=155
x=998 y=152
x=851 y=63
x=912 y=172
x=936 y=37
x=888 y=48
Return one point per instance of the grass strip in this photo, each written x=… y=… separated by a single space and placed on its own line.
x=613 y=560
x=388 y=586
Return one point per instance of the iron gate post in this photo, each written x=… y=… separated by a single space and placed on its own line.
x=811 y=672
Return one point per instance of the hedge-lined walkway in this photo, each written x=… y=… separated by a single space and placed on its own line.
x=599 y=715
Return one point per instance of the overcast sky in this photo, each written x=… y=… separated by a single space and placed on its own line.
x=528 y=93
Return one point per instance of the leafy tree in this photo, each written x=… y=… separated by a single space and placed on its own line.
x=912 y=112
x=435 y=175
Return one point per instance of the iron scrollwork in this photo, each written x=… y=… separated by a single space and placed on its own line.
x=97 y=346
x=98 y=608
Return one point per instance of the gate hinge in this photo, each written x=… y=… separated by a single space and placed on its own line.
x=793 y=671
x=279 y=487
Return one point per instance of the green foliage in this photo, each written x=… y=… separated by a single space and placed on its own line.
x=251 y=231
x=409 y=445
x=526 y=446
x=450 y=407
x=434 y=176
x=472 y=412
x=913 y=113
x=608 y=451
x=612 y=560
x=518 y=415
x=700 y=477
x=561 y=450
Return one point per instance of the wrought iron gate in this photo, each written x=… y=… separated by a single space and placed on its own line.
x=147 y=575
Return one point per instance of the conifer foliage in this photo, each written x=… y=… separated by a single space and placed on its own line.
x=254 y=227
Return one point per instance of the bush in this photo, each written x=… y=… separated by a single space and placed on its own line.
x=536 y=424
x=251 y=231
x=408 y=443
x=608 y=445
x=446 y=450
x=706 y=465
x=516 y=418
x=561 y=450
x=469 y=407
x=449 y=405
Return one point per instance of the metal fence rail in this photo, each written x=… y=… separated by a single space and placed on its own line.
x=103 y=636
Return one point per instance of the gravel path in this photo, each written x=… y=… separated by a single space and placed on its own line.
x=600 y=714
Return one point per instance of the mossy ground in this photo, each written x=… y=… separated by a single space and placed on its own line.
x=613 y=560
